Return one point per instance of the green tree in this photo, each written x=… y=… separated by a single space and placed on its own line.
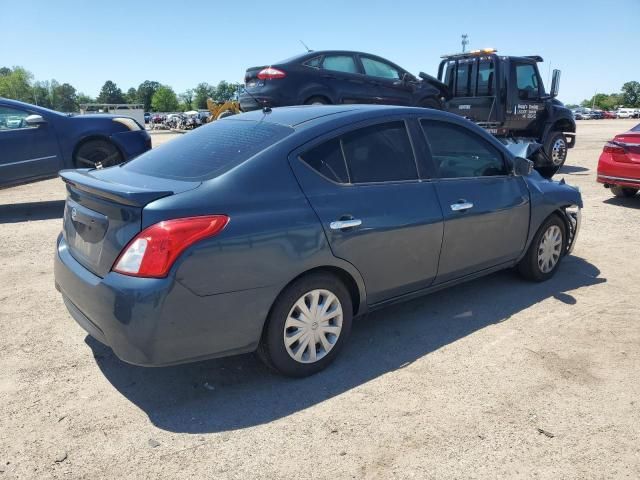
x=110 y=93
x=41 y=93
x=83 y=98
x=16 y=84
x=631 y=94
x=187 y=99
x=145 y=93
x=603 y=101
x=201 y=93
x=131 y=96
x=66 y=98
x=225 y=91
x=164 y=100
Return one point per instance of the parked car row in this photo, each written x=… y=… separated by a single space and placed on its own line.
x=583 y=114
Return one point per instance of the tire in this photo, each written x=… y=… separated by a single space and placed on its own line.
x=623 y=191
x=544 y=246
x=284 y=321
x=555 y=147
x=317 y=101
x=431 y=103
x=94 y=152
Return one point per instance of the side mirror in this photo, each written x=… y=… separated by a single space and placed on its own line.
x=555 y=83
x=35 y=120
x=522 y=167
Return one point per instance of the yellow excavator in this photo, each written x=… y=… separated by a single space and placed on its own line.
x=218 y=110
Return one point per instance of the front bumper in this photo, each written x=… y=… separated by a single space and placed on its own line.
x=157 y=322
x=574 y=218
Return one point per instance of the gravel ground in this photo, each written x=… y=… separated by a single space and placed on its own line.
x=497 y=378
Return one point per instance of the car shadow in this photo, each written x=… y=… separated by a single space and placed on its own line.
x=239 y=392
x=22 y=212
x=629 y=202
x=569 y=169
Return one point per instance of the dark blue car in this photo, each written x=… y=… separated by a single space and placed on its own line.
x=35 y=142
x=271 y=230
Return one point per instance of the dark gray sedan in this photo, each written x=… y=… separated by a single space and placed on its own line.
x=271 y=230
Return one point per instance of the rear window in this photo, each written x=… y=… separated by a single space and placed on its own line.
x=208 y=151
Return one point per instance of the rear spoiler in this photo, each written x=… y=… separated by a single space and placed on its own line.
x=82 y=179
x=443 y=87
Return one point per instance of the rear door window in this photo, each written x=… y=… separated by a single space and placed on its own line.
x=464 y=79
x=340 y=63
x=459 y=153
x=208 y=151
x=379 y=153
x=486 y=78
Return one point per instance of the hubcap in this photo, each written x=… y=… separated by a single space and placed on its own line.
x=550 y=249
x=558 y=152
x=313 y=326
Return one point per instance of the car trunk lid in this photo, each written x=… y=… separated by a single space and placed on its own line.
x=103 y=211
x=630 y=141
x=251 y=80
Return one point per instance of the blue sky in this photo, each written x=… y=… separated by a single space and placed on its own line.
x=181 y=43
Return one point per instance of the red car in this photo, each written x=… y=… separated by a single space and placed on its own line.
x=619 y=164
x=609 y=115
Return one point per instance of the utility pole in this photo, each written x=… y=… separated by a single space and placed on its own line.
x=465 y=42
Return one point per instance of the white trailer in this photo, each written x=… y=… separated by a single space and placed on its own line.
x=132 y=110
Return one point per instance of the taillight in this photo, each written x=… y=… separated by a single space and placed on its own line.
x=271 y=73
x=154 y=250
x=613 y=147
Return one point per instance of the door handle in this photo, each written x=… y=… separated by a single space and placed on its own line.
x=461 y=206
x=342 y=224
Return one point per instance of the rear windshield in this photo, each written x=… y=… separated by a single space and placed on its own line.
x=208 y=151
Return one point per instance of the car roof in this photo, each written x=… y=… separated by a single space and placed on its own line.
x=317 y=53
x=27 y=106
x=306 y=116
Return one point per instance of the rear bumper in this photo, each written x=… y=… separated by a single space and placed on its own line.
x=623 y=174
x=132 y=144
x=157 y=322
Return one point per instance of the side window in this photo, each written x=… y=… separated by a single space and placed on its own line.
x=486 y=76
x=340 y=63
x=527 y=82
x=376 y=68
x=464 y=85
x=380 y=153
x=314 y=62
x=327 y=160
x=459 y=153
x=12 y=119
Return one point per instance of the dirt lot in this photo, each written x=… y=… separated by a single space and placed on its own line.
x=498 y=378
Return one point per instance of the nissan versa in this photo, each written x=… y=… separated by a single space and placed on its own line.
x=272 y=229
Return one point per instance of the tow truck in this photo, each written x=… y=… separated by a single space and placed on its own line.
x=506 y=96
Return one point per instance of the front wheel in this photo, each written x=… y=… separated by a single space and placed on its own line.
x=317 y=101
x=307 y=326
x=623 y=191
x=556 y=150
x=545 y=253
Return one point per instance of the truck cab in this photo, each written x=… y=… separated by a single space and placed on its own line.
x=506 y=96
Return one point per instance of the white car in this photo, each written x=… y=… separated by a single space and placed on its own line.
x=625 y=112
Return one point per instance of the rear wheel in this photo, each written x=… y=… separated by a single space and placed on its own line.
x=317 y=101
x=556 y=150
x=545 y=252
x=97 y=153
x=307 y=326
x=623 y=191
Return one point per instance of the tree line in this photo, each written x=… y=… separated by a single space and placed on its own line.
x=18 y=83
x=629 y=97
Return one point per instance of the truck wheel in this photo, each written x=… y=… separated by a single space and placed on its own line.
x=556 y=150
x=623 y=191
x=226 y=113
x=545 y=252
x=317 y=101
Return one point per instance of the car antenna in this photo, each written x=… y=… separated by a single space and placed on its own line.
x=305 y=46
x=265 y=107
